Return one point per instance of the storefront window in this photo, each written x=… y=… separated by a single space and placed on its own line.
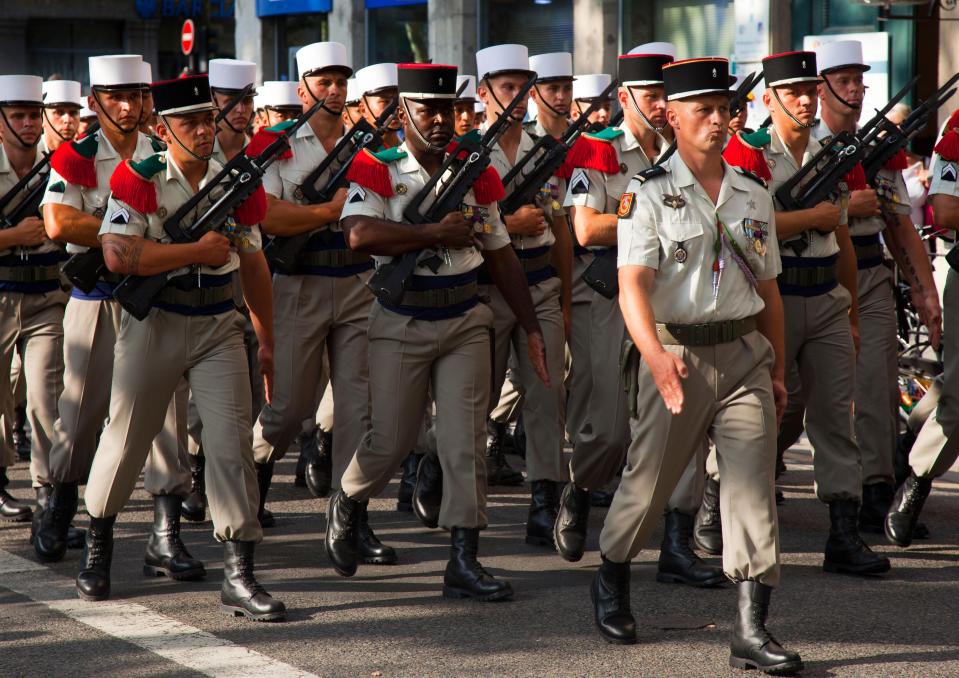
x=696 y=27
x=542 y=26
x=396 y=31
x=63 y=46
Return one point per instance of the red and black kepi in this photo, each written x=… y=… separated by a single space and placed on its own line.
x=642 y=70
x=426 y=81
x=790 y=68
x=182 y=96
x=697 y=77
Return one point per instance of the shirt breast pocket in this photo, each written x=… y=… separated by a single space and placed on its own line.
x=681 y=240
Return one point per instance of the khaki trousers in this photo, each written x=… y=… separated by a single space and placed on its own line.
x=937 y=446
x=542 y=406
x=152 y=357
x=409 y=359
x=32 y=325
x=821 y=370
x=579 y=378
x=90 y=332
x=511 y=395
x=314 y=315
x=728 y=397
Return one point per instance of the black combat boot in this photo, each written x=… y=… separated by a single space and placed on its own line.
x=342 y=533
x=43 y=500
x=498 y=470
x=876 y=501
x=264 y=476
x=846 y=552
x=21 y=441
x=50 y=539
x=678 y=563
x=708 y=530
x=11 y=510
x=611 y=605
x=369 y=548
x=428 y=491
x=906 y=507
x=319 y=466
x=572 y=522
x=93 y=581
x=404 y=496
x=543 y=511
x=194 y=504
x=241 y=593
x=752 y=646
x=166 y=554
x=465 y=577
x=307 y=444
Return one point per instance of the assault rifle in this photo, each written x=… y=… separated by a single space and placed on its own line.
x=233 y=103
x=897 y=137
x=282 y=252
x=240 y=178
x=464 y=166
x=817 y=179
x=29 y=205
x=547 y=155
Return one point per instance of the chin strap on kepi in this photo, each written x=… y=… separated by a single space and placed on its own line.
x=800 y=125
x=316 y=99
x=430 y=146
x=646 y=120
x=541 y=101
x=16 y=136
x=839 y=98
x=201 y=158
x=133 y=130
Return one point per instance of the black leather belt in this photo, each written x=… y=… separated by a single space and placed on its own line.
x=704 y=334
x=868 y=251
x=195 y=297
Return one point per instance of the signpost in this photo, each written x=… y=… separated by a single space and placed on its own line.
x=187 y=37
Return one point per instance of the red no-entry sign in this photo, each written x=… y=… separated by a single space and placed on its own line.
x=187 y=37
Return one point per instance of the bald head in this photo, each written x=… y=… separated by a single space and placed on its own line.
x=700 y=122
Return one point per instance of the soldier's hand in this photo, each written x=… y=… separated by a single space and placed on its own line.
x=863 y=204
x=536 y=347
x=29 y=232
x=668 y=371
x=265 y=357
x=454 y=231
x=528 y=220
x=825 y=217
x=213 y=249
x=780 y=397
x=929 y=310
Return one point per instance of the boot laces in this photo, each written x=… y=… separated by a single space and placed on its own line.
x=911 y=498
x=59 y=513
x=244 y=566
x=96 y=548
x=759 y=624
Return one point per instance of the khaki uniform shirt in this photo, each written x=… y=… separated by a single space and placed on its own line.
x=943 y=176
x=782 y=166
x=555 y=189
x=173 y=190
x=671 y=227
x=284 y=177
x=93 y=201
x=9 y=179
x=502 y=165
x=890 y=187
x=408 y=173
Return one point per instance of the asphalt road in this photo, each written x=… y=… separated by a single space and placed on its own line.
x=392 y=621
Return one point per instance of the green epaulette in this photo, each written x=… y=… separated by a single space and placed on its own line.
x=390 y=155
x=281 y=127
x=148 y=167
x=157 y=145
x=758 y=139
x=87 y=146
x=606 y=134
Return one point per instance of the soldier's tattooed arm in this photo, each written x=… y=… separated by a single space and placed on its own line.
x=133 y=255
x=913 y=260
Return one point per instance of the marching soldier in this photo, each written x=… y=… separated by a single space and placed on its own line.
x=377 y=87
x=872 y=213
x=193 y=332
x=818 y=285
x=351 y=107
x=148 y=117
x=437 y=340
x=697 y=267
x=31 y=299
x=603 y=163
x=541 y=239
x=61 y=112
x=465 y=105
x=586 y=90
x=322 y=308
x=937 y=444
x=280 y=100
x=87 y=118
x=73 y=208
x=229 y=77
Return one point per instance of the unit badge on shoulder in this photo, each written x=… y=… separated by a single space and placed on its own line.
x=626 y=203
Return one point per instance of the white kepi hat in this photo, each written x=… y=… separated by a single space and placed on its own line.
x=590 y=86
x=147 y=73
x=117 y=71
x=667 y=48
x=231 y=75
x=503 y=59
x=834 y=56
x=353 y=93
x=469 y=92
x=552 y=66
x=376 y=77
x=21 y=89
x=62 y=93
x=279 y=94
x=86 y=113
x=320 y=56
